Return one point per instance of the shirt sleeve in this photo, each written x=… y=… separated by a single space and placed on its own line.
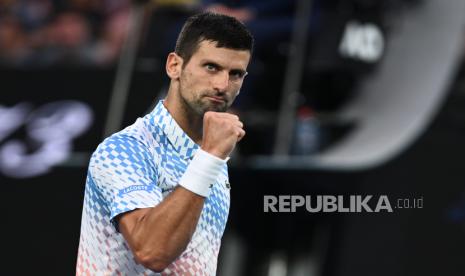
x=124 y=171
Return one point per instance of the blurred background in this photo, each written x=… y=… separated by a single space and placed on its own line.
x=343 y=97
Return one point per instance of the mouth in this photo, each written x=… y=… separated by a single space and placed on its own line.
x=216 y=99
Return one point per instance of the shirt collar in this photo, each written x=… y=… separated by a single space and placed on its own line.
x=181 y=142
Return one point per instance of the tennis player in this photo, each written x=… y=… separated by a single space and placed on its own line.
x=157 y=193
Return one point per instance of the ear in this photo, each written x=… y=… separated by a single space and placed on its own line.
x=173 y=65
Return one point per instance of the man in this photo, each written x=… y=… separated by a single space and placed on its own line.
x=157 y=192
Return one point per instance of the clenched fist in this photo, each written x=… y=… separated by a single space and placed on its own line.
x=221 y=132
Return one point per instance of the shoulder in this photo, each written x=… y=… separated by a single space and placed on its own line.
x=135 y=144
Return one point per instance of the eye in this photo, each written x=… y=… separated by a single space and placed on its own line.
x=211 y=67
x=237 y=75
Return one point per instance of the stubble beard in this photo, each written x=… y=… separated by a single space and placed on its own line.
x=198 y=105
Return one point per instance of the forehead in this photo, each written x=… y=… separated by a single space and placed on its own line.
x=227 y=58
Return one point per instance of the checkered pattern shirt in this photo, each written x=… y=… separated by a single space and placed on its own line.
x=137 y=168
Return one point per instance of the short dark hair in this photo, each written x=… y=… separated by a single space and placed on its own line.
x=227 y=31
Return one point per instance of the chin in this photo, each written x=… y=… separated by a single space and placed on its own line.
x=219 y=108
x=215 y=107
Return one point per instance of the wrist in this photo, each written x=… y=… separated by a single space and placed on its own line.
x=215 y=153
x=202 y=172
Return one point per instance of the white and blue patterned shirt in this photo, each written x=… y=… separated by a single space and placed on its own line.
x=137 y=168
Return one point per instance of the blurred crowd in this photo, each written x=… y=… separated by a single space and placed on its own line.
x=91 y=32
x=50 y=32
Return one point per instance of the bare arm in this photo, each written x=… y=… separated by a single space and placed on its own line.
x=160 y=234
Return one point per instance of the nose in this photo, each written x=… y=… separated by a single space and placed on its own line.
x=221 y=81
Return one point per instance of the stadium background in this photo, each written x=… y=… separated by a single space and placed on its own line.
x=382 y=81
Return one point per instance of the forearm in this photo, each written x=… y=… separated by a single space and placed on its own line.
x=163 y=232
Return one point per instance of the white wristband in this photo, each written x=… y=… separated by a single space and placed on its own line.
x=202 y=173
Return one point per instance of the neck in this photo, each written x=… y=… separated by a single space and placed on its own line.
x=190 y=122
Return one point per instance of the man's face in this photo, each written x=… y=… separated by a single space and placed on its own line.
x=212 y=78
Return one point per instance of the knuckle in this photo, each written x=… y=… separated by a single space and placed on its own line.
x=232 y=116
